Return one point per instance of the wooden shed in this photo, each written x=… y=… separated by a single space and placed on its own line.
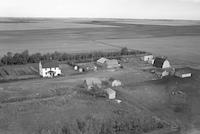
x=111 y=93
x=183 y=73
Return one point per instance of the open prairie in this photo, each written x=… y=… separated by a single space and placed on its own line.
x=177 y=39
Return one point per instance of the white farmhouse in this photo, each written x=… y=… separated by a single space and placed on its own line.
x=49 y=69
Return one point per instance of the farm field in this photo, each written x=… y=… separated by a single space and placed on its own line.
x=177 y=39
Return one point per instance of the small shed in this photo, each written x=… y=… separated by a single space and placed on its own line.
x=75 y=67
x=183 y=73
x=81 y=69
x=102 y=60
x=91 y=82
x=161 y=63
x=148 y=58
x=116 y=83
x=111 y=93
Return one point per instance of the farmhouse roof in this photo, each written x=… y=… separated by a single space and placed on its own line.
x=50 y=64
x=158 y=62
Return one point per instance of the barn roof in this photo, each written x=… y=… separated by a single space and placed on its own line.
x=158 y=62
x=50 y=64
x=112 y=63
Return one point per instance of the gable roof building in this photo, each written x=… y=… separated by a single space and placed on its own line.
x=183 y=73
x=112 y=64
x=111 y=93
x=161 y=63
x=49 y=69
x=102 y=60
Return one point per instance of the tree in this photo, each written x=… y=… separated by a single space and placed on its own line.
x=9 y=58
x=24 y=56
x=4 y=60
x=124 y=51
x=35 y=58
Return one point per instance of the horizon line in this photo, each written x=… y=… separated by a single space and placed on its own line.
x=40 y=17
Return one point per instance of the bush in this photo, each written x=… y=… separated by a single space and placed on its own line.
x=97 y=92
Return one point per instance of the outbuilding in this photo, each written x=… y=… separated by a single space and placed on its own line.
x=49 y=69
x=183 y=73
x=111 y=93
x=161 y=63
x=116 y=83
x=102 y=60
x=148 y=58
x=107 y=63
x=112 y=64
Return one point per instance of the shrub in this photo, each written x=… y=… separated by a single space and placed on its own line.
x=97 y=92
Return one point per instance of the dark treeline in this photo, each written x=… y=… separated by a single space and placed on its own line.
x=24 y=57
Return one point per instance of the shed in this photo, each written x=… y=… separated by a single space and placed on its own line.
x=161 y=63
x=111 y=93
x=91 y=82
x=148 y=58
x=102 y=60
x=116 y=83
x=81 y=69
x=183 y=73
x=76 y=67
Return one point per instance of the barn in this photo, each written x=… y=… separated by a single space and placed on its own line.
x=161 y=63
x=49 y=69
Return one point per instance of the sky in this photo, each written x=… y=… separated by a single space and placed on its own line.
x=138 y=9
